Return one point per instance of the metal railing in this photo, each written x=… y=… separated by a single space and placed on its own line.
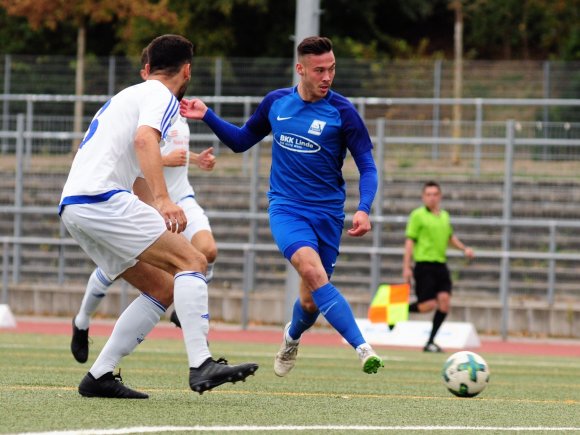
x=375 y=254
x=238 y=76
x=24 y=125
x=384 y=142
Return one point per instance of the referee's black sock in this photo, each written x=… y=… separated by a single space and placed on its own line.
x=438 y=319
x=414 y=307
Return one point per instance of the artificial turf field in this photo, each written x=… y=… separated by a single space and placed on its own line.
x=326 y=393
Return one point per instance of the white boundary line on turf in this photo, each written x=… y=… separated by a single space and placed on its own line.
x=153 y=429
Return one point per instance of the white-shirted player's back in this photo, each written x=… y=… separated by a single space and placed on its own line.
x=176 y=177
x=106 y=158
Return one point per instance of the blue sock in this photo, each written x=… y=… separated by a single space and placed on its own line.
x=336 y=310
x=301 y=320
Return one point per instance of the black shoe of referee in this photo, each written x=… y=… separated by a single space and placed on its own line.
x=432 y=348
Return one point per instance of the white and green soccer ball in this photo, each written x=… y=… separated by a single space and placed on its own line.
x=465 y=374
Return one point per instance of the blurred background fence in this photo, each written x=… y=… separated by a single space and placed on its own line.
x=509 y=169
x=256 y=76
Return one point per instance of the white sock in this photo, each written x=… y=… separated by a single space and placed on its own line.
x=290 y=340
x=191 y=305
x=209 y=272
x=363 y=347
x=138 y=319
x=96 y=290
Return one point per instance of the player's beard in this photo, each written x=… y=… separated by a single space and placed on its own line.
x=181 y=92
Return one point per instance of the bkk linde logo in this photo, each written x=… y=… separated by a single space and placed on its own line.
x=299 y=144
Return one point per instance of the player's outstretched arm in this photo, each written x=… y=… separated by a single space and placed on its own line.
x=192 y=109
x=238 y=139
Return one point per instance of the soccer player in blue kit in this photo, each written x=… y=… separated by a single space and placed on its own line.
x=312 y=129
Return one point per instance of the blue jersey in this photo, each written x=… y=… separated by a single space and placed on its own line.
x=310 y=141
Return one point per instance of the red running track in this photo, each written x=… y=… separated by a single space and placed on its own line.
x=165 y=330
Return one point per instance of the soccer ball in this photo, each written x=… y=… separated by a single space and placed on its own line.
x=465 y=374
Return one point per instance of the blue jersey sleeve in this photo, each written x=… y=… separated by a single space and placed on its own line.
x=238 y=139
x=356 y=138
x=354 y=131
x=368 y=182
x=259 y=122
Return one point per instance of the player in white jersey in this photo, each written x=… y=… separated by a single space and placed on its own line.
x=176 y=158
x=139 y=242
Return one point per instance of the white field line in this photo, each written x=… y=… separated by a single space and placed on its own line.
x=161 y=429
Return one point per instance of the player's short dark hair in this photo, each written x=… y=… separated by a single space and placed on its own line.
x=314 y=45
x=168 y=53
x=431 y=183
x=144 y=57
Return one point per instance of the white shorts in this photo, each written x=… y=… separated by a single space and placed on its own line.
x=196 y=218
x=114 y=232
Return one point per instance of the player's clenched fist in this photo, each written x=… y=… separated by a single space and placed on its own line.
x=192 y=109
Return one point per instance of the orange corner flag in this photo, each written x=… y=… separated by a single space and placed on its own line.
x=390 y=304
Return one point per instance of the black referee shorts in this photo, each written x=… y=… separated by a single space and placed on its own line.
x=430 y=279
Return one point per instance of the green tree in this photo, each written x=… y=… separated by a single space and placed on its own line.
x=265 y=28
x=395 y=29
x=51 y=13
x=522 y=29
x=237 y=28
x=29 y=41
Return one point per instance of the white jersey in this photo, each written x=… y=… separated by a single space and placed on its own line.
x=176 y=177
x=106 y=161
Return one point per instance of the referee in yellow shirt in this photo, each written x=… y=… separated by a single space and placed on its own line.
x=428 y=234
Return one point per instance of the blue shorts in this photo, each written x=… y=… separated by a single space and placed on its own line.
x=296 y=226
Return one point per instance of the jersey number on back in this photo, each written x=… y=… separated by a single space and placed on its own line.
x=94 y=125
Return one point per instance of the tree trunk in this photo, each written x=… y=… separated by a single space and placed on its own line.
x=524 y=32
x=457 y=78
x=79 y=84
